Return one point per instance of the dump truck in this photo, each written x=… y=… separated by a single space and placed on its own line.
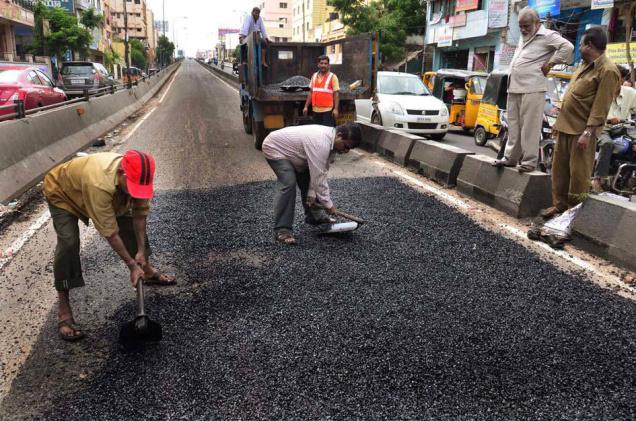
x=274 y=79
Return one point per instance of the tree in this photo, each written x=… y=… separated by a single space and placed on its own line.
x=138 y=54
x=64 y=33
x=165 y=50
x=394 y=20
x=111 y=58
x=91 y=19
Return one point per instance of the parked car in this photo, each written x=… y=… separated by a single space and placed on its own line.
x=76 y=76
x=403 y=102
x=29 y=84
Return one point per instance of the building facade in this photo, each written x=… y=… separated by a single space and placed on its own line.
x=16 y=29
x=308 y=17
x=277 y=16
x=137 y=19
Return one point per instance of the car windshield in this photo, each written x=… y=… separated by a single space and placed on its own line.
x=77 y=69
x=8 y=76
x=478 y=84
x=401 y=85
x=556 y=89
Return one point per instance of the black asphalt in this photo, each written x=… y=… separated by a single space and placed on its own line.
x=421 y=314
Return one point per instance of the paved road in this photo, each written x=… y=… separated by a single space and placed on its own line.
x=421 y=314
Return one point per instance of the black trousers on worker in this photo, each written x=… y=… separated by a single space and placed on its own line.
x=325 y=119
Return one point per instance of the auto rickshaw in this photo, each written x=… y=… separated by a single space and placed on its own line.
x=428 y=79
x=495 y=98
x=461 y=91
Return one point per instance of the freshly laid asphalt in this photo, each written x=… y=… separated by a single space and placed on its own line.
x=420 y=314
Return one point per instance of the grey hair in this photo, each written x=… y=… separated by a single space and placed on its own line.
x=528 y=11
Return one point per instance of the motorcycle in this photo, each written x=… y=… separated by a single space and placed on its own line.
x=623 y=162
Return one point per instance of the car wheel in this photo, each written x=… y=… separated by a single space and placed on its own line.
x=438 y=137
x=376 y=119
x=481 y=137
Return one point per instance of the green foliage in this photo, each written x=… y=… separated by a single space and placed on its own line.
x=138 y=54
x=237 y=52
x=111 y=58
x=165 y=50
x=394 y=20
x=64 y=32
x=91 y=19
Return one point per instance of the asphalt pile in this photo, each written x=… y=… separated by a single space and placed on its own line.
x=420 y=314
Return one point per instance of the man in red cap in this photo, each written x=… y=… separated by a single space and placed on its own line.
x=114 y=192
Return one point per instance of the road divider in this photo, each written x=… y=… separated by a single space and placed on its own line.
x=33 y=145
x=396 y=146
x=232 y=79
x=518 y=194
x=605 y=226
x=370 y=136
x=437 y=161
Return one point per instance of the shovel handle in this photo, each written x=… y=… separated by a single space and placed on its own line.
x=141 y=311
x=350 y=217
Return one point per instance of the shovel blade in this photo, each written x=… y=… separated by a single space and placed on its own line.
x=341 y=227
x=140 y=331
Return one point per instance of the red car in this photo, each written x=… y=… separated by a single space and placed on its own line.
x=29 y=84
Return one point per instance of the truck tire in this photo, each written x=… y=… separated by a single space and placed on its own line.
x=247 y=121
x=258 y=132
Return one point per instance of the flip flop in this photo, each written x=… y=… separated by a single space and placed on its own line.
x=160 y=279
x=70 y=323
x=285 y=238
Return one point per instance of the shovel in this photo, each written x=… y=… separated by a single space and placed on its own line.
x=340 y=227
x=142 y=330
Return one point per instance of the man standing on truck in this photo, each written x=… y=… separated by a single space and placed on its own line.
x=253 y=23
x=300 y=155
x=323 y=95
x=114 y=192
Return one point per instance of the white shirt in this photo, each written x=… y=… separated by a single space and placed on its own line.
x=624 y=104
x=250 y=26
x=305 y=146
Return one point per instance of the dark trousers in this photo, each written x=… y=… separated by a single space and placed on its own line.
x=67 y=267
x=325 y=119
x=605 y=151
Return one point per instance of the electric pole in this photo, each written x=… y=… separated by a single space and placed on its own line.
x=127 y=56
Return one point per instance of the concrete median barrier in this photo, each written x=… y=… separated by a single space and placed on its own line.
x=231 y=78
x=519 y=195
x=396 y=146
x=370 y=136
x=437 y=161
x=33 y=145
x=606 y=227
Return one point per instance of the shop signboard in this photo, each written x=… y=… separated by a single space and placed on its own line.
x=504 y=56
x=444 y=36
x=67 y=5
x=463 y=5
x=546 y=7
x=476 y=26
x=457 y=20
x=617 y=52
x=602 y=4
x=498 y=14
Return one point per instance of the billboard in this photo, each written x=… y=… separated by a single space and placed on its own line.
x=224 y=31
x=64 y=4
x=546 y=7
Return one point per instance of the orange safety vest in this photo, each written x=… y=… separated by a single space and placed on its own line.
x=322 y=93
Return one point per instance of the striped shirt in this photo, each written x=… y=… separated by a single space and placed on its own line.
x=305 y=147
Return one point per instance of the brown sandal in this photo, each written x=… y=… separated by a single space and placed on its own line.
x=286 y=238
x=70 y=323
x=550 y=212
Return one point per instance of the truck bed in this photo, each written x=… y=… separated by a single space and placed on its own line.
x=273 y=92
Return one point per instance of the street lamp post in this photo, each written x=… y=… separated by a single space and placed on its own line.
x=127 y=56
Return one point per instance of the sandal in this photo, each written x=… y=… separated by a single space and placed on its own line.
x=286 y=238
x=550 y=212
x=70 y=323
x=160 y=279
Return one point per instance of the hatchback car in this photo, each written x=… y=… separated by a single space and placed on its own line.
x=403 y=102
x=77 y=76
x=30 y=85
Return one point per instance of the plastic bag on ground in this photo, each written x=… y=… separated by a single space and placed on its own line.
x=561 y=225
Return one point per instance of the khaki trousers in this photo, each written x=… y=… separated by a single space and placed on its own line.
x=571 y=171
x=525 y=119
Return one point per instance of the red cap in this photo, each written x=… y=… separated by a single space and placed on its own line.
x=139 y=168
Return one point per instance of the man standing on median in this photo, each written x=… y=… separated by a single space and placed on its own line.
x=585 y=106
x=114 y=192
x=323 y=95
x=299 y=155
x=538 y=51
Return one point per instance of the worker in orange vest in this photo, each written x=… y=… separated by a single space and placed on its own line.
x=323 y=95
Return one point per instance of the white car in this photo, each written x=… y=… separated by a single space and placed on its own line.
x=403 y=102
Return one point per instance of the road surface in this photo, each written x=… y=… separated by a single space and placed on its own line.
x=421 y=314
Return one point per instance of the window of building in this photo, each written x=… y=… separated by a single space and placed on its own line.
x=137 y=1
x=308 y=4
x=282 y=5
x=308 y=26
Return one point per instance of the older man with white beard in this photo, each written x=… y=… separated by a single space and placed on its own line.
x=538 y=51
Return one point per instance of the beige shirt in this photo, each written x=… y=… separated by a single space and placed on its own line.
x=588 y=98
x=305 y=147
x=87 y=188
x=525 y=70
x=624 y=105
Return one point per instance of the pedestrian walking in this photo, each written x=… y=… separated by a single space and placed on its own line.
x=584 y=111
x=323 y=95
x=114 y=192
x=622 y=108
x=538 y=51
x=300 y=156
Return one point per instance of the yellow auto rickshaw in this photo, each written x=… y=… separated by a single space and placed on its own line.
x=495 y=98
x=461 y=91
x=428 y=79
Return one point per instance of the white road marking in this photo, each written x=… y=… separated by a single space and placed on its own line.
x=222 y=81
x=15 y=247
x=170 y=85
x=9 y=254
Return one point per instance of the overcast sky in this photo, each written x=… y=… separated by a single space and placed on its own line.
x=203 y=18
